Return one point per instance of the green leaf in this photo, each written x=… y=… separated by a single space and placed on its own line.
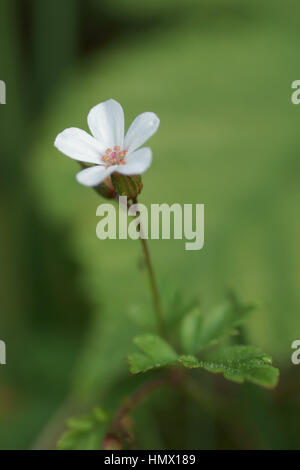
x=156 y=353
x=236 y=363
x=176 y=304
x=85 y=432
x=191 y=330
x=239 y=364
x=220 y=322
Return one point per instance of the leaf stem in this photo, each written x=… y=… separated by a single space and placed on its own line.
x=134 y=400
x=116 y=429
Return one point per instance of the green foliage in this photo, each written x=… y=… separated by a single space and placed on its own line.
x=190 y=331
x=85 y=432
x=236 y=363
x=239 y=364
x=199 y=331
x=176 y=303
x=156 y=353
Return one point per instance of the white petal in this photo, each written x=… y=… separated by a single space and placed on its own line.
x=137 y=163
x=79 y=145
x=142 y=128
x=94 y=175
x=106 y=122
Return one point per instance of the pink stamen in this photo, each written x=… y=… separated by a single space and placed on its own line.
x=115 y=157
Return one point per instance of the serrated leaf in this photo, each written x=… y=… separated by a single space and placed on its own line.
x=239 y=364
x=156 y=353
x=85 y=432
x=191 y=362
x=219 y=323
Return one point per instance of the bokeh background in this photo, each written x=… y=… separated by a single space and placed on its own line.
x=219 y=74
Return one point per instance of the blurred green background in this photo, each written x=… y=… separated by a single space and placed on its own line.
x=218 y=73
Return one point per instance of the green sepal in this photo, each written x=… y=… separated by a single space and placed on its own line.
x=129 y=186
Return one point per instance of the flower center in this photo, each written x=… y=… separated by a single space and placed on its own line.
x=114 y=157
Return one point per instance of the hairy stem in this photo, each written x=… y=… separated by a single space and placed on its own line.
x=153 y=283
x=154 y=289
x=134 y=400
x=172 y=378
x=152 y=279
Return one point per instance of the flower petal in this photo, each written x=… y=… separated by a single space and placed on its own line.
x=142 y=128
x=94 y=175
x=137 y=163
x=79 y=145
x=106 y=122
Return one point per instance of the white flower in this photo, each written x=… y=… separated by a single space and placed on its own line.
x=107 y=149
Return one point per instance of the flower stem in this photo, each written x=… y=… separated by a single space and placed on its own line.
x=154 y=288
x=153 y=284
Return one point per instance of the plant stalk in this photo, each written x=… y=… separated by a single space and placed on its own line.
x=153 y=284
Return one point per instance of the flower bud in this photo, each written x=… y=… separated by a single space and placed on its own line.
x=129 y=186
x=106 y=189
